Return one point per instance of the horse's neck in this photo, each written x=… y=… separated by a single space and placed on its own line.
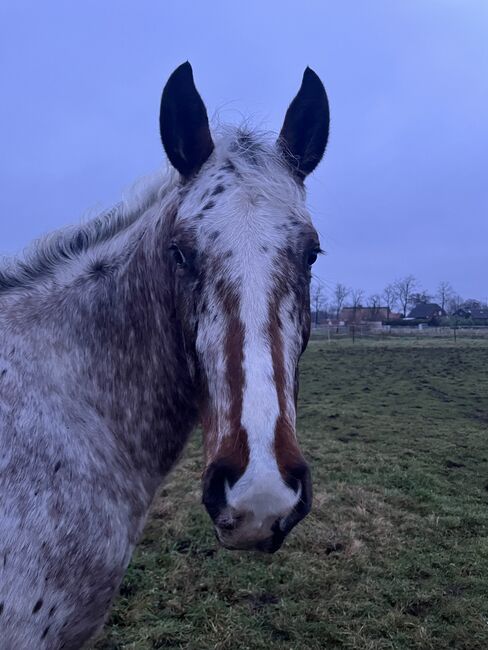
x=137 y=351
x=122 y=349
x=152 y=384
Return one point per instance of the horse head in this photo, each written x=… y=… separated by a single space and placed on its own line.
x=242 y=248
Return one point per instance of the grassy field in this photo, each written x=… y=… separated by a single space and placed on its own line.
x=395 y=552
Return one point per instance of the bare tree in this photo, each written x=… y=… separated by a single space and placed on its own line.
x=404 y=288
x=357 y=298
x=374 y=303
x=324 y=308
x=418 y=297
x=444 y=293
x=317 y=294
x=471 y=303
x=389 y=296
x=454 y=303
x=340 y=294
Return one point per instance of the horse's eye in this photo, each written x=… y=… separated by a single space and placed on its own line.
x=178 y=256
x=312 y=257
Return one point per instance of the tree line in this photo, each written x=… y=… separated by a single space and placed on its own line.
x=400 y=295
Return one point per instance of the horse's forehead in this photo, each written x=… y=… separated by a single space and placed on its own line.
x=222 y=208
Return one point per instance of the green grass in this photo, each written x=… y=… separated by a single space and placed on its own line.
x=395 y=552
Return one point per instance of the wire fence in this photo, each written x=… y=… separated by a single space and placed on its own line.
x=375 y=332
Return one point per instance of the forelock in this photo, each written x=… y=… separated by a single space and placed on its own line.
x=249 y=159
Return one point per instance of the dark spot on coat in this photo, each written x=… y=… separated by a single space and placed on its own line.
x=219 y=285
x=57 y=466
x=1 y=608
x=52 y=610
x=218 y=190
x=228 y=254
x=264 y=249
x=250 y=148
x=199 y=215
x=209 y=205
x=98 y=269
x=79 y=242
x=37 y=606
x=44 y=634
x=229 y=166
x=183 y=189
x=214 y=235
x=3 y=373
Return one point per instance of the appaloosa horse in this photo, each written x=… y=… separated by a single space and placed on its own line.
x=187 y=302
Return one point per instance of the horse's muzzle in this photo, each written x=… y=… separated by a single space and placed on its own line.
x=239 y=530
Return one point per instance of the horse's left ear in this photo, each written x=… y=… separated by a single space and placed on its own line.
x=183 y=123
x=305 y=131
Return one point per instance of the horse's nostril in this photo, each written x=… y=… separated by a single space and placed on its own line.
x=226 y=525
x=228 y=521
x=216 y=477
x=299 y=480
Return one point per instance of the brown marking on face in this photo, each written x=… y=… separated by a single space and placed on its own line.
x=234 y=447
x=293 y=278
x=287 y=452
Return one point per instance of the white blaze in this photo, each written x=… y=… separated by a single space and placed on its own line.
x=261 y=489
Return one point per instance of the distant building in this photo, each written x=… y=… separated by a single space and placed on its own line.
x=462 y=313
x=351 y=315
x=428 y=311
x=477 y=315
x=480 y=315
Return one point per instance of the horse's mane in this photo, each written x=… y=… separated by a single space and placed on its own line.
x=43 y=256
x=251 y=154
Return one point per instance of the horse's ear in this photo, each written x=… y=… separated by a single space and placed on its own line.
x=305 y=131
x=183 y=123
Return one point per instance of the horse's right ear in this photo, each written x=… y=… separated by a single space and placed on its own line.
x=305 y=131
x=183 y=123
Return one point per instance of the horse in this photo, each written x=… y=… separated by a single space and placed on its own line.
x=188 y=302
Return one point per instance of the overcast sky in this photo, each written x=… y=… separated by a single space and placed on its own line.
x=404 y=184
